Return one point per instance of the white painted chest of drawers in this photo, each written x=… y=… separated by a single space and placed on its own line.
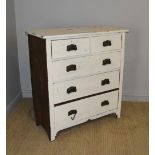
x=76 y=75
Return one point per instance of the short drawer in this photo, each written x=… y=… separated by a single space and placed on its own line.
x=70 y=47
x=85 y=86
x=70 y=114
x=77 y=67
x=106 y=43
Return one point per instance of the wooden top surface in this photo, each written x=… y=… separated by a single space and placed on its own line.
x=46 y=33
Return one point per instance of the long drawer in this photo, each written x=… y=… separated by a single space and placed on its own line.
x=85 y=86
x=69 y=114
x=70 y=47
x=67 y=69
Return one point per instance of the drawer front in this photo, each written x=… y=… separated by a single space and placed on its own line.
x=77 y=67
x=70 y=47
x=105 y=43
x=70 y=114
x=69 y=90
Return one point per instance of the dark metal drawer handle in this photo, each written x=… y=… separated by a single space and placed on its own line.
x=104 y=103
x=71 y=68
x=105 y=82
x=107 y=43
x=71 y=89
x=72 y=112
x=106 y=62
x=71 y=47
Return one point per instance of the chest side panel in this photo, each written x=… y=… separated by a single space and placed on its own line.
x=39 y=80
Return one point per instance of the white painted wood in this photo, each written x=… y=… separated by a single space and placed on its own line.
x=118 y=113
x=97 y=43
x=111 y=111
x=59 y=47
x=84 y=55
x=121 y=75
x=49 y=33
x=84 y=66
x=51 y=96
x=92 y=118
x=85 y=108
x=84 y=86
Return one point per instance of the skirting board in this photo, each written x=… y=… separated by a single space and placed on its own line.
x=13 y=102
x=135 y=98
x=28 y=94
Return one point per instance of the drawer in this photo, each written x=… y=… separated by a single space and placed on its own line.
x=70 y=114
x=77 y=67
x=70 y=47
x=106 y=43
x=85 y=86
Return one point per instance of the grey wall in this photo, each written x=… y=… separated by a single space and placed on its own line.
x=132 y=14
x=12 y=69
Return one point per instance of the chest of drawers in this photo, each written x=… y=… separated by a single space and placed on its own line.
x=76 y=75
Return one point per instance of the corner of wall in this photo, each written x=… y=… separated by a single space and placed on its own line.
x=14 y=101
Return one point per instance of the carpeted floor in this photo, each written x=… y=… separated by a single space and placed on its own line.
x=105 y=136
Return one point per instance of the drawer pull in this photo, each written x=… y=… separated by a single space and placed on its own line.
x=104 y=103
x=71 y=89
x=106 y=62
x=72 y=112
x=71 y=47
x=71 y=68
x=107 y=43
x=105 y=82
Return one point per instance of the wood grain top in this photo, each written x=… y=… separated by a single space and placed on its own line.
x=46 y=33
